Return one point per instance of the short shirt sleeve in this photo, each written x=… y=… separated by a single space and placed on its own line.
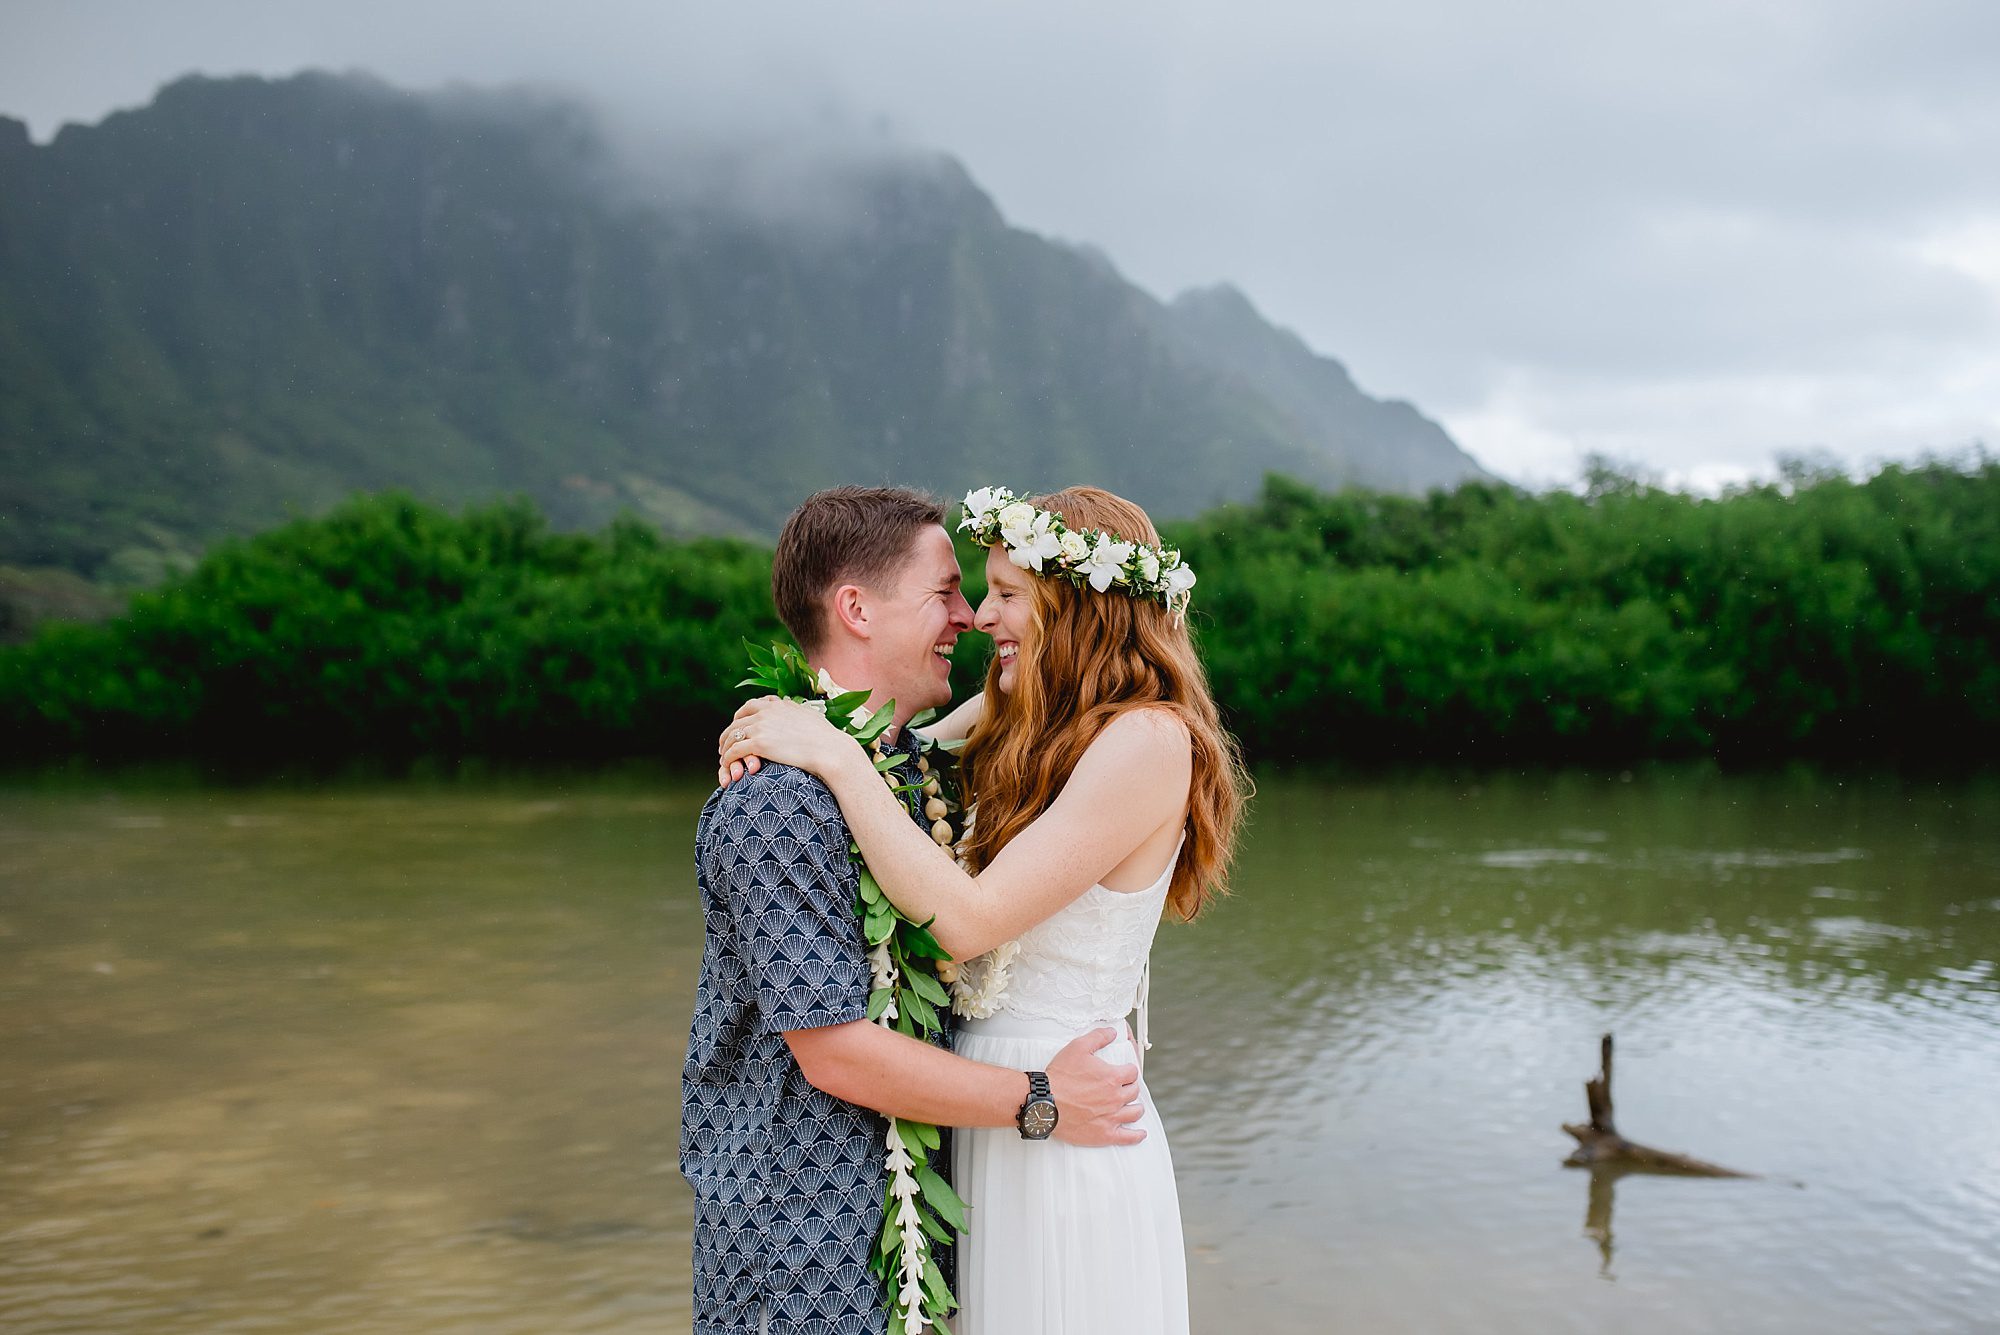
x=792 y=888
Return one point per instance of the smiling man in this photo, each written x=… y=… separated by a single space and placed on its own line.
x=786 y=1080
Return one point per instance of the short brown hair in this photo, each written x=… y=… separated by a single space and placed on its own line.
x=843 y=535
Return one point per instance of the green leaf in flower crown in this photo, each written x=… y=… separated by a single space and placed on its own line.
x=939 y=1195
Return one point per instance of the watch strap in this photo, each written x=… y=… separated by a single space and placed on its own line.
x=1038 y=1092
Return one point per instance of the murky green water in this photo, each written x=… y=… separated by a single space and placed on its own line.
x=404 y=1058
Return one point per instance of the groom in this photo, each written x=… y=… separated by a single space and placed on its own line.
x=782 y=1136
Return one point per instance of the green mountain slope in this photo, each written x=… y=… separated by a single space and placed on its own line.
x=253 y=297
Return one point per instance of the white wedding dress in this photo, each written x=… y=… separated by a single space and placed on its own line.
x=1061 y=1240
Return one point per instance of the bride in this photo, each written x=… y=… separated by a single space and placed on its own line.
x=1104 y=793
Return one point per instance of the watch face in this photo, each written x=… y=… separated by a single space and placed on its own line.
x=1038 y=1119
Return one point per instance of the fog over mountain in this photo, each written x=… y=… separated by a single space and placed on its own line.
x=255 y=296
x=1692 y=235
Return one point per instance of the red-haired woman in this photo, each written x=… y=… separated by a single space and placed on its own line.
x=1105 y=794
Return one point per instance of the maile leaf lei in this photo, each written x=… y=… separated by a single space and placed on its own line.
x=918 y=1206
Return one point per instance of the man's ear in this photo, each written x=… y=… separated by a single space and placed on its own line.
x=851 y=610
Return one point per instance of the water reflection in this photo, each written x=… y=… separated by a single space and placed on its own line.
x=1443 y=955
x=404 y=1058
x=1597 y=1213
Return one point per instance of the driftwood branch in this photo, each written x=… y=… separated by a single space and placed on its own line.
x=1598 y=1144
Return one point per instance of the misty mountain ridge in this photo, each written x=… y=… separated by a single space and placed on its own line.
x=253 y=297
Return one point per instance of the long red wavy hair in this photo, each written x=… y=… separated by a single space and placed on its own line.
x=1093 y=657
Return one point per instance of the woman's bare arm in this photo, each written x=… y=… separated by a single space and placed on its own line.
x=959 y=723
x=1131 y=781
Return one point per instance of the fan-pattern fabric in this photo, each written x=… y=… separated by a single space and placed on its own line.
x=787 y=1180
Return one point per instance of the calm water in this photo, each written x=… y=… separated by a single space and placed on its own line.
x=404 y=1058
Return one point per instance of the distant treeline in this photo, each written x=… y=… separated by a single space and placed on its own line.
x=390 y=629
x=1816 y=616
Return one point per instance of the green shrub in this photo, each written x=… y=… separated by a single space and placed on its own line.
x=1814 y=617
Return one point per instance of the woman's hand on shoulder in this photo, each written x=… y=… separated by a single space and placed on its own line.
x=785 y=731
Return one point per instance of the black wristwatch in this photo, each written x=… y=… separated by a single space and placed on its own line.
x=1037 y=1117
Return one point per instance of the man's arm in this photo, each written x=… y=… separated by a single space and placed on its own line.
x=790 y=887
x=897 y=1076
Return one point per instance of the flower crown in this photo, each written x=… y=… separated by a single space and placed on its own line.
x=1038 y=540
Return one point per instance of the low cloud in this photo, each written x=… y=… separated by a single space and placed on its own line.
x=1692 y=234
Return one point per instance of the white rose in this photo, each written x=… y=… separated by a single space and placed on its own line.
x=1020 y=515
x=1149 y=564
x=1074 y=548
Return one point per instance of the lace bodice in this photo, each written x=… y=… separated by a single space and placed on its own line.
x=1085 y=964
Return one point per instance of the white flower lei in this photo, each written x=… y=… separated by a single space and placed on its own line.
x=1038 y=540
x=981 y=984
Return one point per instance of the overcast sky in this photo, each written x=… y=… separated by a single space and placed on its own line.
x=1690 y=235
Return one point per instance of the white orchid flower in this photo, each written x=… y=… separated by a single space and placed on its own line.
x=1107 y=562
x=1029 y=546
x=980 y=505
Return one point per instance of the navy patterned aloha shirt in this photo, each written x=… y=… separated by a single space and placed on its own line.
x=787 y=1180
